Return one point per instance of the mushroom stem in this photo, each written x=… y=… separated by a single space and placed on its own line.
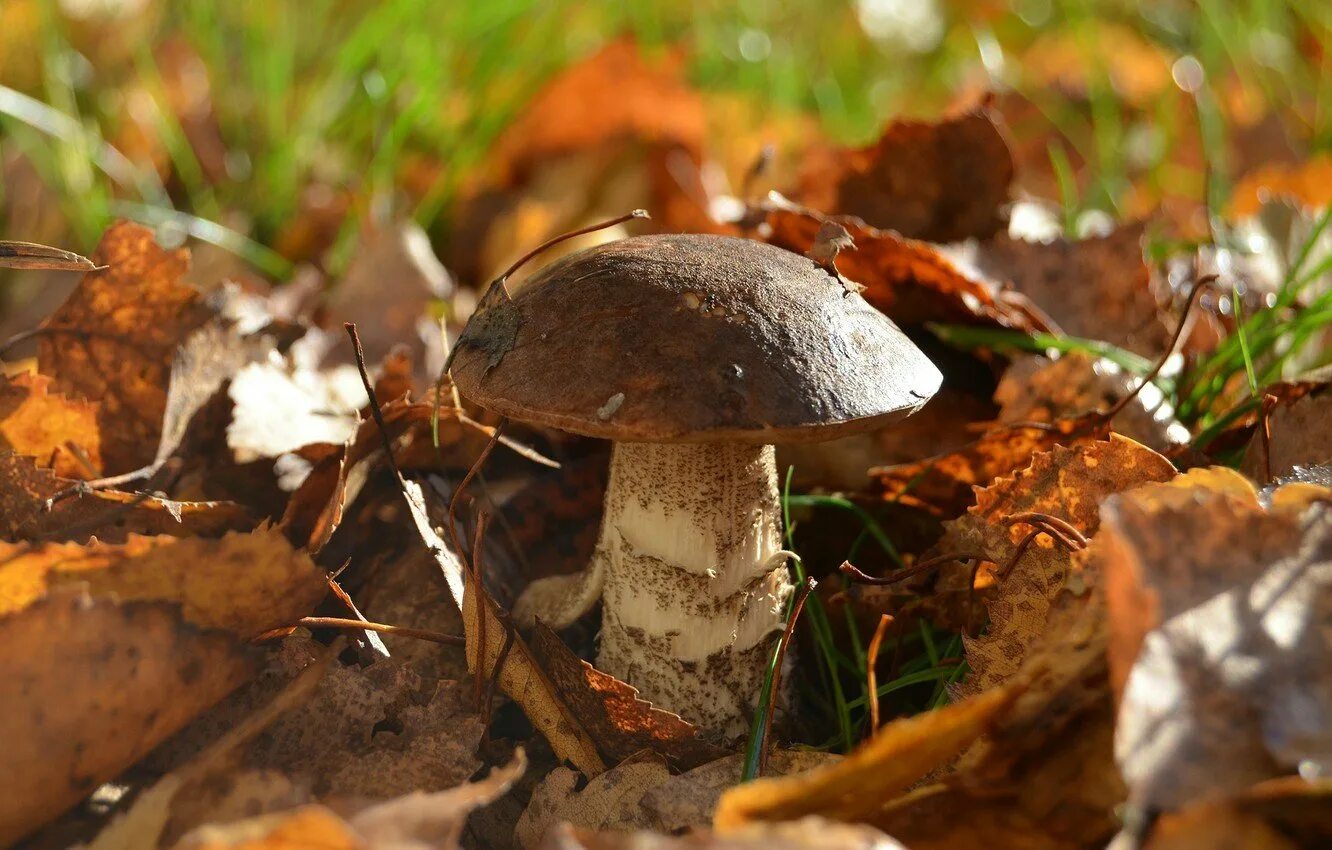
x=695 y=582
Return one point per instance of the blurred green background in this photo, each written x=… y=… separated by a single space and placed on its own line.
x=404 y=99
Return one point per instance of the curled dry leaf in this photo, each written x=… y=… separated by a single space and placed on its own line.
x=1219 y=611
x=613 y=714
x=30 y=255
x=1096 y=288
x=246 y=583
x=900 y=754
x=1279 y=814
x=942 y=485
x=93 y=684
x=1067 y=483
x=942 y=181
x=908 y=280
x=109 y=515
x=114 y=339
x=59 y=432
x=490 y=638
x=1038 y=389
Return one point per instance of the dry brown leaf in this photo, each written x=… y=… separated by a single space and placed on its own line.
x=59 y=432
x=615 y=93
x=114 y=340
x=110 y=515
x=940 y=181
x=886 y=765
x=613 y=714
x=1067 y=483
x=1299 y=438
x=1096 y=288
x=490 y=639
x=943 y=484
x=246 y=583
x=393 y=278
x=809 y=833
x=29 y=255
x=1038 y=389
x=1278 y=814
x=908 y=280
x=1219 y=608
x=91 y=685
x=610 y=801
x=414 y=821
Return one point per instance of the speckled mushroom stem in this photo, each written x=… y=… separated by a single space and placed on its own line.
x=695 y=582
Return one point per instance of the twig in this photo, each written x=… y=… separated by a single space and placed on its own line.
x=474 y=573
x=1205 y=280
x=1053 y=525
x=349 y=624
x=488 y=705
x=472 y=472
x=1269 y=404
x=374 y=402
x=555 y=240
x=784 y=642
x=908 y=572
x=871 y=675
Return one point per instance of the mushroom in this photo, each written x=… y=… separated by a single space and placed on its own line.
x=695 y=355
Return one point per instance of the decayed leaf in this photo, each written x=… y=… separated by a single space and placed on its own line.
x=1038 y=389
x=1096 y=288
x=1299 y=438
x=109 y=515
x=114 y=340
x=245 y=583
x=489 y=638
x=1222 y=608
x=1066 y=483
x=93 y=684
x=809 y=833
x=415 y=821
x=898 y=755
x=612 y=800
x=943 y=484
x=1279 y=814
x=59 y=432
x=942 y=181
x=611 y=711
x=908 y=280
x=29 y=255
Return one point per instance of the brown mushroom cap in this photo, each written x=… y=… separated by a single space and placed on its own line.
x=690 y=338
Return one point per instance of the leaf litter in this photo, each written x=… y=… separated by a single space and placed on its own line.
x=205 y=509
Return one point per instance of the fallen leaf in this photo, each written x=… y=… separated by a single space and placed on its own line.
x=1299 y=438
x=613 y=714
x=109 y=515
x=29 y=255
x=1038 y=389
x=393 y=279
x=942 y=485
x=810 y=833
x=247 y=583
x=414 y=821
x=610 y=801
x=613 y=94
x=59 y=432
x=488 y=636
x=1290 y=812
x=93 y=684
x=886 y=765
x=1095 y=288
x=909 y=281
x=942 y=181
x=1304 y=184
x=1226 y=603
x=1067 y=483
x=114 y=339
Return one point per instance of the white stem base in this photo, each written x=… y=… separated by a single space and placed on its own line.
x=695 y=585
